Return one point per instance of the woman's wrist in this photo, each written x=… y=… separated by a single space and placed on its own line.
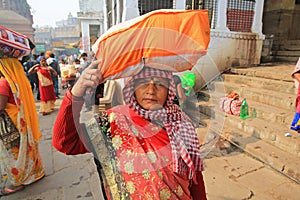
x=75 y=97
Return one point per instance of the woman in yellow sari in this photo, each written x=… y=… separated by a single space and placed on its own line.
x=20 y=161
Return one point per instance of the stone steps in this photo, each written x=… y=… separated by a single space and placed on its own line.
x=266 y=112
x=288 y=51
x=271 y=91
x=268 y=97
x=267 y=126
x=277 y=71
x=270 y=132
x=292 y=52
x=279 y=159
x=293 y=59
x=262 y=83
x=290 y=43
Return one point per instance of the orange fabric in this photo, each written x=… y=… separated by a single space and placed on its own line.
x=13 y=71
x=164 y=39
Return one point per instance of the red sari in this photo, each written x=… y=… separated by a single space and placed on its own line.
x=143 y=155
x=135 y=154
x=46 y=88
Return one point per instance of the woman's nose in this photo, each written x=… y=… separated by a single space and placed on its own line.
x=151 y=87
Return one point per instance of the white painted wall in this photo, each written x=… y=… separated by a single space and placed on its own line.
x=227 y=49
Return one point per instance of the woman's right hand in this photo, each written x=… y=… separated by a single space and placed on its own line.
x=89 y=78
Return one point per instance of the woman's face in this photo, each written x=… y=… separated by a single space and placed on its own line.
x=43 y=62
x=151 y=93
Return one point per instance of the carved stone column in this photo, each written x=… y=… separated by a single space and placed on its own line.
x=180 y=4
x=85 y=28
x=131 y=9
x=221 y=16
x=257 y=22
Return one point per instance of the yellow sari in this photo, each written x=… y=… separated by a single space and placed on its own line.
x=21 y=164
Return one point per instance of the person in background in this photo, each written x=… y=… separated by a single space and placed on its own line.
x=147 y=149
x=180 y=96
x=33 y=79
x=97 y=95
x=76 y=73
x=84 y=61
x=296 y=75
x=48 y=97
x=89 y=96
x=51 y=61
x=42 y=55
x=20 y=159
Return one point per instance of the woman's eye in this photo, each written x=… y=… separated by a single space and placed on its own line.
x=160 y=84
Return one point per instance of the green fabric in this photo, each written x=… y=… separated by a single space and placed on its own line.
x=188 y=80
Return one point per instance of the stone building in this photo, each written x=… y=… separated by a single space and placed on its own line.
x=281 y=26
x=16 y=15
x=90 y=17
x=236 y=29
x=97 y=16
x=60 y=38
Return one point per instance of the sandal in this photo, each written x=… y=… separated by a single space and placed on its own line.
x=11 y=189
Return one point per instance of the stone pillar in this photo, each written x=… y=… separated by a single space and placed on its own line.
x=118 y=20
x=113 y=12
x=180 y=4
x=257 y=21
x=105 y=20
x=85 y=30
x=221 y=16
x=131 y=10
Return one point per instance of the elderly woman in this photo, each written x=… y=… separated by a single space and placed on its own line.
x=148 y=148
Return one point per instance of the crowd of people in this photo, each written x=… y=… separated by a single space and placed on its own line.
x=20 y=160
x=45 y=77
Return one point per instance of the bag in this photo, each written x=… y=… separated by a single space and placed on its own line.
x=164 y=39
x=230 y=105
x=13 y=44
x=9 y=134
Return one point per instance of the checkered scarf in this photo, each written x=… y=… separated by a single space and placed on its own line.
x=184 y=142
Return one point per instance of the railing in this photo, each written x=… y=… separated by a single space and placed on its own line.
x=146 y=6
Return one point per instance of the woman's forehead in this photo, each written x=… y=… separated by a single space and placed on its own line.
x=153 y=78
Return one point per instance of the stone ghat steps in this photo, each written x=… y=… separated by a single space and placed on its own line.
x=269 y=113
x=271 y=132
x=271 y=91
x=268 y=97
x=274 y=71
x=265 y=151
x=261 y=83
x=289 y=50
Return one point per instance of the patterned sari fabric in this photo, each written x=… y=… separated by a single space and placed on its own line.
x=140 y=156
x=20 y=163
x=296 y=120
x=46 y=90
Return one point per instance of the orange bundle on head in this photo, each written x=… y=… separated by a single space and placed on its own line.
x=165 y=39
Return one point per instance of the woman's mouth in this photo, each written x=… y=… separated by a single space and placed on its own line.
x=149 y=100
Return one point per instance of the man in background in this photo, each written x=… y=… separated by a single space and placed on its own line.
x=51 y=61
